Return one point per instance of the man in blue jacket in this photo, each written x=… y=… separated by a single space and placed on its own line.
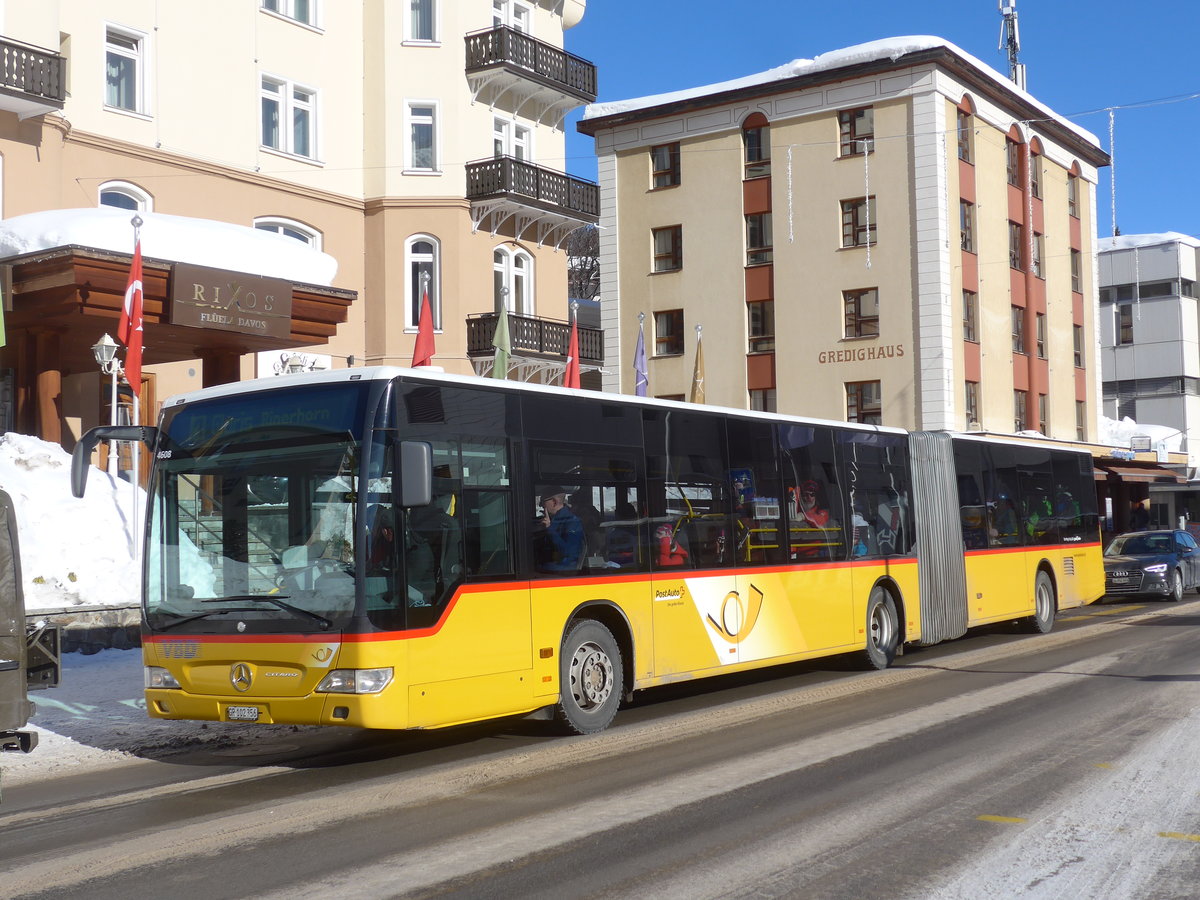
x=563 y=550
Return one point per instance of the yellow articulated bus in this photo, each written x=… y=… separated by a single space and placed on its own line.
x=388 y=548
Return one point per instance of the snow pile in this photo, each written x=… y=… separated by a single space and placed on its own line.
x=1116 y=433
x=1134 y=241
x=887 y=48
x=201 y=242
x=73 y=552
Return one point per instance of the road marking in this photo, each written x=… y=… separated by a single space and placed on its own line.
x=1102 y=765
x=1115 y=611
x=1004 y=820
x=1180 y=836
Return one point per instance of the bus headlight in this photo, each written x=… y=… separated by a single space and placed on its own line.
x=157 y=677
x=355 y=681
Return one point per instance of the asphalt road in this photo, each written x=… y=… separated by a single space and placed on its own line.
x=994 y=766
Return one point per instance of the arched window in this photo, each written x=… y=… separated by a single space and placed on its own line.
x=422 y=253
x=123 y=195
x=512 y=270
x=290 y=228
x=756 y=141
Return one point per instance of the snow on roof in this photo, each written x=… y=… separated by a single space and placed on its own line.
x=872 y=51
x=201 y=242
x=1130 y=241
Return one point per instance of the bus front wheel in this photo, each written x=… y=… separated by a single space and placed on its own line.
x=1045 y=605
x=883 y=630
x=591 y=678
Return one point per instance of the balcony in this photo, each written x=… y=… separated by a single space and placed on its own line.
x=528 y=77
x=31 y=79
x=528 y=200
x=537 y=346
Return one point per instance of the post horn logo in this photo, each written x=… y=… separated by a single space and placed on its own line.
x=737 y=620
x=322 y=654
x=240 y=676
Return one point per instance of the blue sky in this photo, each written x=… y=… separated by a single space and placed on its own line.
x=1081 y=57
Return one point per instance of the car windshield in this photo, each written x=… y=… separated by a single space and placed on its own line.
x=1140 y=545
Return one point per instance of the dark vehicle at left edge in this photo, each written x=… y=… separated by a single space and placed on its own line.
x=1152 y=563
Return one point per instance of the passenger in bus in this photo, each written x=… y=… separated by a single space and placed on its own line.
x=621 y=545
x=580 y=503
x=1005 y=528
x=669 y=541
x=560 y=540
x=811 y=522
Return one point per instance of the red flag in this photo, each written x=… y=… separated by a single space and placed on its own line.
x=571 y=376
x=129 y=332
x=423 y=349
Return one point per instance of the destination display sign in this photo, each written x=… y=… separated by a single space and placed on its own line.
x=203 y=297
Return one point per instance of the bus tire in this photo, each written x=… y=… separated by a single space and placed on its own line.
x=883 y=630
x=591 y=676
x=1045 y=605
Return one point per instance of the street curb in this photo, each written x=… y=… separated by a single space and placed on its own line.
x=89 y=630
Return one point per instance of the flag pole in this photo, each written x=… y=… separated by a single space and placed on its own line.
x=136 y=455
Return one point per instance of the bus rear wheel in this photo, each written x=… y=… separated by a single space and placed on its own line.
x=591 y=678
x=1045 y=605
x=883 y=630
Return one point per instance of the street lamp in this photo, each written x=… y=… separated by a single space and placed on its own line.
x=105 y=351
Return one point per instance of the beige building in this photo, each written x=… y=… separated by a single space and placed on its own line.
x=418 y=145
x=891 y=233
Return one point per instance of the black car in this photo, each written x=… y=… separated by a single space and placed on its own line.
x=1153 y=563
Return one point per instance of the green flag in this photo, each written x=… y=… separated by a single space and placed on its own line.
x=500 y=342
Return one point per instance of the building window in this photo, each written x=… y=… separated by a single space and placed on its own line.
x=1018 y=329
x=1039 y=251
x=1012 y=162
x=511 y=138
x=289 y=117
x=1040 y=336
x=758 y=239
x=1042 y=406
x=763 y=400
x=964 y=135
x=512 y=275
x=422 y=252
x=972 y=402
x=1077 y=337
x=1080 y=421
x=124 y=69
x=756 y=144
x=857 y=131
x=123 y=195
x=422 y=21
x=1073 y=195
x=970 y=301
x=668 y=333
x=512 y=14
x=300 y=10
x=861 y=312
x=1124 y=323
x=668 y=248
x=422 y=136
x=1020 y=410
x=1035 y=175
x=1015 y=232
x=289 y=228
x=863 y=402
x=966 y=225
x=1076 y=271
x=664 y=165
x=858 y=222
x=760 y=317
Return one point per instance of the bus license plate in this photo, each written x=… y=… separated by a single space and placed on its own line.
x=242 y=713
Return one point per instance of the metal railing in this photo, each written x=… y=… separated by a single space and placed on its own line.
x=547 y=63
x=532 y=334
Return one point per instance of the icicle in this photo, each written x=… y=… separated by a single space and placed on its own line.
x=1112 y=170
x=867 y=198
x=1137 y=284
x=791 y=208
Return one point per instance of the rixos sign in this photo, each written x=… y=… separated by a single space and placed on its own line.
x=231 y=301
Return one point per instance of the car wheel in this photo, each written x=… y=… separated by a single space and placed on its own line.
x=1176 y=586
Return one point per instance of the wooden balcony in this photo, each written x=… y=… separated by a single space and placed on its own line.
x=529 y=200
x=533 y=336
x=519 y=73
x=31 y=79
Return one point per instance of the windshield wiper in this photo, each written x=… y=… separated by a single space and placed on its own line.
x=274 y=600
x=184 y=618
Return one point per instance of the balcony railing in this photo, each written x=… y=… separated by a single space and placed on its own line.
x=532 y=185
x=532 y=334
x=531 y=58
x=31 y=76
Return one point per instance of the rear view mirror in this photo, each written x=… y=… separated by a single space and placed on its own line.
x=416 y=473
x=81 y=456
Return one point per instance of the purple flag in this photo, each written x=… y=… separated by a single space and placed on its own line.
x=641 y=379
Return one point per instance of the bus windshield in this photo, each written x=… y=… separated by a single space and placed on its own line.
x=254 y=512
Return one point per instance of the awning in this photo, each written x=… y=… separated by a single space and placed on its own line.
x=1147 y=474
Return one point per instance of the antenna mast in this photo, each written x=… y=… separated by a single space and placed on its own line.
x=1010 y=41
